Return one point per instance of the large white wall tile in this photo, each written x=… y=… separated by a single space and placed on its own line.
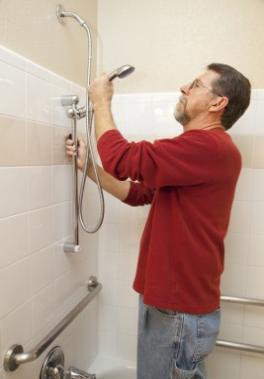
x=112 y=209
x=257 y=217
x=108 y=319
x=127 y=347
x=127 y=297
x=15 y=286
x=255 y=283
x=234 y=280
x=108 y=266
x=241 y=217
x=108 y=238
x=237 y=248
x=231 y=332
x=40 y=229
x=109 y=295
x=253 y=316
x=39 y=94
x=223 y=364
x=129 y=236
x=256 y=256
x=247 y=124
x=62 y=221
x=245 y=186
x=232 y=313
x=251 y=367
x=258 y=185
x=107 y=343
x=13 y=236
x=62 y=185
x=12 y=91
x=42 y=269
x=253 y=335
x=13 y=191
x=127 y=319
x=126 y=265
x=39 y=186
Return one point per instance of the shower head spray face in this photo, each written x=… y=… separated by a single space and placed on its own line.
x=121 y=72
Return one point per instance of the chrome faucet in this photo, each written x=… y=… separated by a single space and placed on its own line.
x=58 y=372
x=53 y=367
x=75 y=373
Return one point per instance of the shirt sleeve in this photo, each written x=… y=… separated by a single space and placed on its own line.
x=139 y=194
x=188 y=159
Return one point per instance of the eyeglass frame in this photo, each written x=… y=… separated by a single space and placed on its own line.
x=200 y=84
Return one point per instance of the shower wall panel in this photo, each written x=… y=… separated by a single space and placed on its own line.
x=39 y=283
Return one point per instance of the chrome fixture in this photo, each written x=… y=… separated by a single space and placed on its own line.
x=86 y=111
x=53 y=367
x=75 y=373
x=243 y=300
x=121 y=72
x=236 y=345
x=240 y=346
x=16 y=356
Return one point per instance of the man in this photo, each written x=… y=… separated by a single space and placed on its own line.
x=190 y=182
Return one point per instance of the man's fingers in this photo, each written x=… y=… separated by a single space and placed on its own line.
x=69 y=142
x=71 y=150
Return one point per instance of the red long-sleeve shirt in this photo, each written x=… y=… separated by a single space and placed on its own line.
x=190 y=182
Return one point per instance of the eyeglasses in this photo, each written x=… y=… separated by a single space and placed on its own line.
x=198 y=84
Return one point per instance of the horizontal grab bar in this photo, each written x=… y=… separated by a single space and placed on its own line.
x=240 y=346
x=15 y=356
x=236 y=345
x=243 y=300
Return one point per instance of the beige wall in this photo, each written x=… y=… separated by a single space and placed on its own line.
x=170 y=41
x=30 y=28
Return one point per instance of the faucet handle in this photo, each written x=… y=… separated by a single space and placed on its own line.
x=56 y=372
x=76 y=373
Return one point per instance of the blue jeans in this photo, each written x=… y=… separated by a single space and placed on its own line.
x=173 y=345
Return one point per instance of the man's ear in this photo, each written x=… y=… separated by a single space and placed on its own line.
x=219 y=103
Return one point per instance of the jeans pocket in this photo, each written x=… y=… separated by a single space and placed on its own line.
x=165 y=312
x=178 y=373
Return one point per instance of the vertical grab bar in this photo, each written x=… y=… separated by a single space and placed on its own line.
x=72 y=100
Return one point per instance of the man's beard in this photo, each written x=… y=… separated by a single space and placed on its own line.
x=180 y=114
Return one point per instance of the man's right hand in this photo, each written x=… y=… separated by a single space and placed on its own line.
x=80 y=152
x=115 y=187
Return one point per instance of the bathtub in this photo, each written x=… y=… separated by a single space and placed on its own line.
x=109 y=368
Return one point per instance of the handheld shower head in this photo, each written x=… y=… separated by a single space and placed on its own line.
x=121 y=72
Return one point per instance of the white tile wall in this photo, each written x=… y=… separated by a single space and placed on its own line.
x=39 y=283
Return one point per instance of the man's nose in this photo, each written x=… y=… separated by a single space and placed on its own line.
x=185 y=89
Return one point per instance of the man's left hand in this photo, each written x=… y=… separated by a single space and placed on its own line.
x=101 y=92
